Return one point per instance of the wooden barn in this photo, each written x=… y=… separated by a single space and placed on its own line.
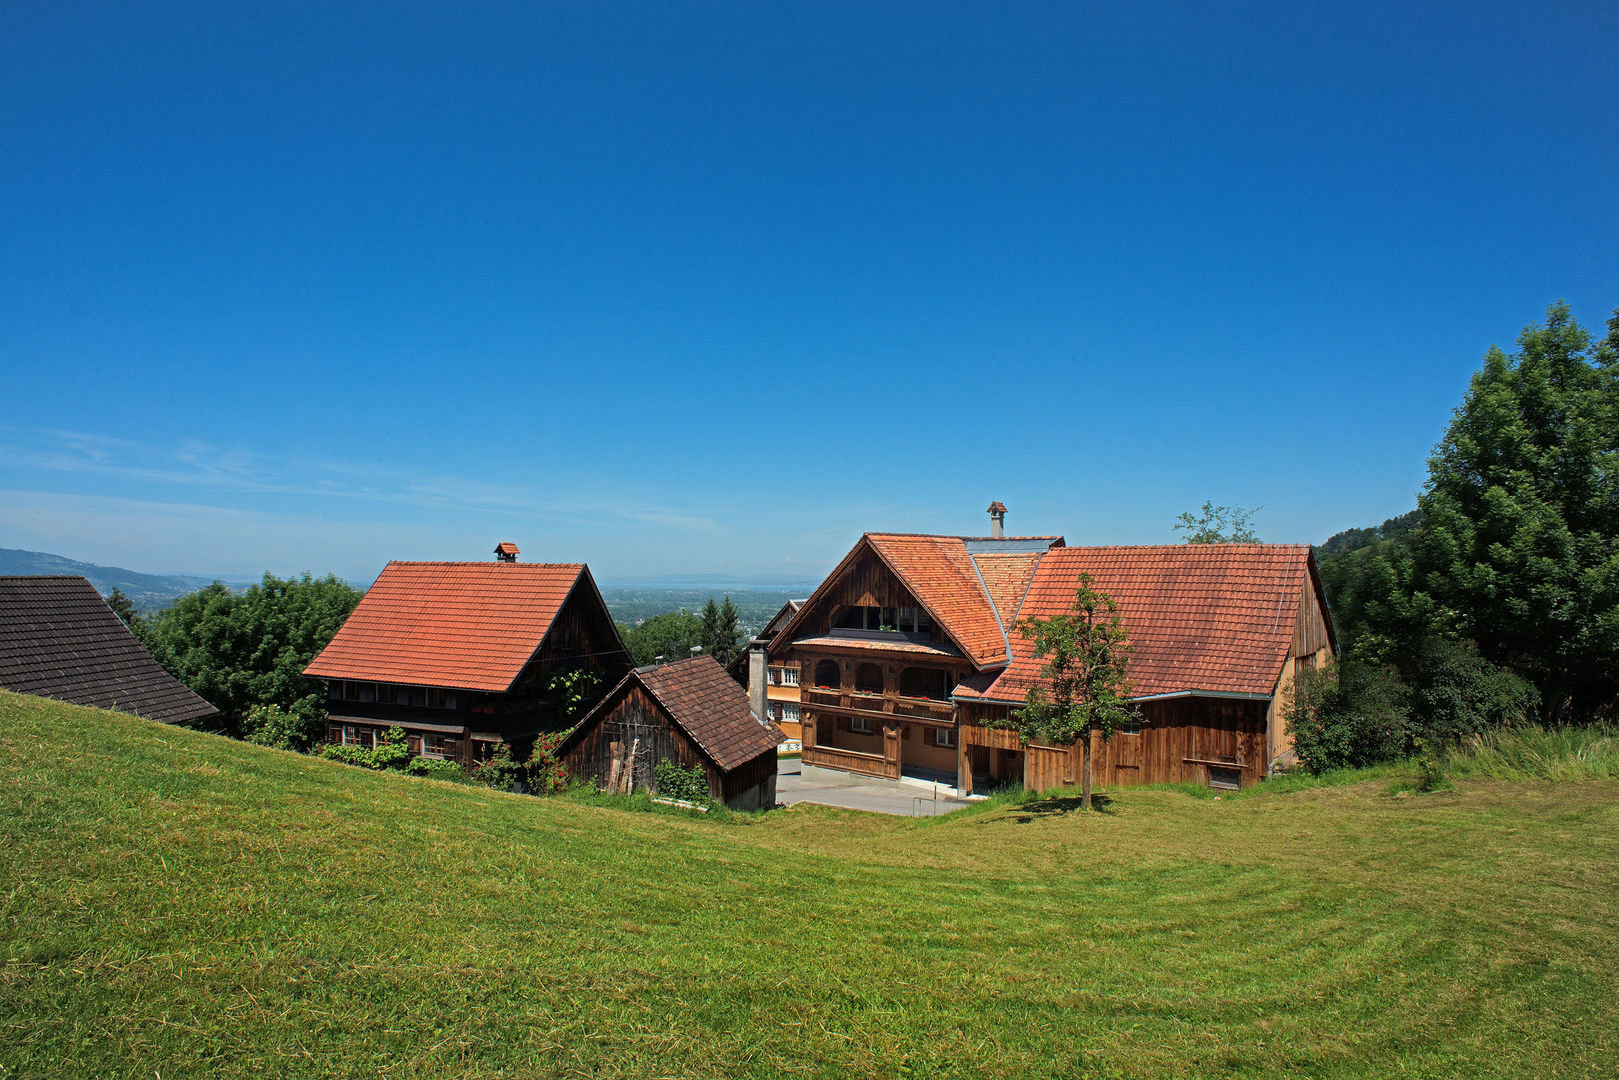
x=690 y=712
x=59 y=639
x=465 y=656
x=1219 y=633
x=910 y=645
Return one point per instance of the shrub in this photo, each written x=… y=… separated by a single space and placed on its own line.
x=435 y=769
x=674 y=782
x=281 y=729
x=392 y=753
x=502 y=771
x=1347 y=715
x=1456 y=693
x=546 y=772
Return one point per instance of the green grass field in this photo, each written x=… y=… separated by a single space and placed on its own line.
x=174 y=904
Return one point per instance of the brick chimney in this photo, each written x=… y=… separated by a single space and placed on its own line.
x=997 y=519
x=506 y=551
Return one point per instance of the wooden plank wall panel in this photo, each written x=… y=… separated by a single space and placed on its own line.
x=592 y=757
x=1172 y=732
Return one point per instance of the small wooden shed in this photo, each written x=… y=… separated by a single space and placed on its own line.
x=690 y=712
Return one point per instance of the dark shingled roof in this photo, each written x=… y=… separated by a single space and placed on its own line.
x=59 y=639
x=711 y=708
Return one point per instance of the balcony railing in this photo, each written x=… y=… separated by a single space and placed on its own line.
x=883 y=705
x=831 y=757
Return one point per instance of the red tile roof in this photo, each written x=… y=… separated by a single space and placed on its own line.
x=940 y=574
x=466 y=625
x=1202 y=617
x=1006 y=578
x=709 y=706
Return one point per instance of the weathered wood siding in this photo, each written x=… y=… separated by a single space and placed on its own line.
x=1182 y=740
x=582 y=634
x=1311 y=649
x=637 y=715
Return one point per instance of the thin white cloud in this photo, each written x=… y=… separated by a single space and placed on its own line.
x=200 y=465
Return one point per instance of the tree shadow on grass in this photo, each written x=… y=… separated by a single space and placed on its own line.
x=1058 y=806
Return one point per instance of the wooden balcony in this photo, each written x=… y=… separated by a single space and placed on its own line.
x=831 y=757
x=878 y=706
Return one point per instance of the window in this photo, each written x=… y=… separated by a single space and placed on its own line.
x=860 y=724
x=868 y=679
x=388 y=695
x=784 y=676
x=1131 y=726
x=438 y=699
x=440 y=746
x=773 y=710
x=334 y=690
x=827 y=676
x=789 y=712
x=368 y=691
x=944 y=737
x=418 y=697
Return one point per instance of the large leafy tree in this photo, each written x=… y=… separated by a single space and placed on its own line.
x=670 y=636
x=1519 y=543
x=247 y=649
x=1084 y=685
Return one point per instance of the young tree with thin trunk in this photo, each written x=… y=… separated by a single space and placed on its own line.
x=1084 y=687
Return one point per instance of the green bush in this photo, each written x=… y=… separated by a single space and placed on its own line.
x=435 y=769
x=1456 y=693
x=502 y=771
x=281 y=729
x=392 y=753
x=1357 y=713
x=674 y=782
x=1348 y=715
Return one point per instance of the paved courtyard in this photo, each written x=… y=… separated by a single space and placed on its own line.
x=909 y=798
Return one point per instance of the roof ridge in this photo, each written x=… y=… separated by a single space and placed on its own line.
x=504 y=566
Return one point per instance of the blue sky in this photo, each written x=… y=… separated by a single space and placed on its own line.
x=712 y=289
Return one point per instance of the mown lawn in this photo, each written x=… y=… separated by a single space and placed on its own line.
x=175 y=904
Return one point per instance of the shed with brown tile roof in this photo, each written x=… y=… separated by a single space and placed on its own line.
x=59 y=639
x=690 y=712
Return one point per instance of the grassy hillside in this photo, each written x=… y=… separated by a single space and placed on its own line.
x=181 y=905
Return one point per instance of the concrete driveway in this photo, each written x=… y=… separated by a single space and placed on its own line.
x=907 y=798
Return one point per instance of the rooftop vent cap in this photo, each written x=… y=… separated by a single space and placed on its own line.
x=997 y=519
x=506 y=551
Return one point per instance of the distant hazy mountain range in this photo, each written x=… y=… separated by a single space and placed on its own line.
x=630 y=602
x=150 y=592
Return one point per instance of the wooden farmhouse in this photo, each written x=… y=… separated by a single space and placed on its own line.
x=690 y=712
x=910 y=645
x=59 y=639
x=465 y=656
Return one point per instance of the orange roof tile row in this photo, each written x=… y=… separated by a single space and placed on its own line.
x=1201 y=617
x=940 y=573
x=467 y=625
x=1006 y=578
